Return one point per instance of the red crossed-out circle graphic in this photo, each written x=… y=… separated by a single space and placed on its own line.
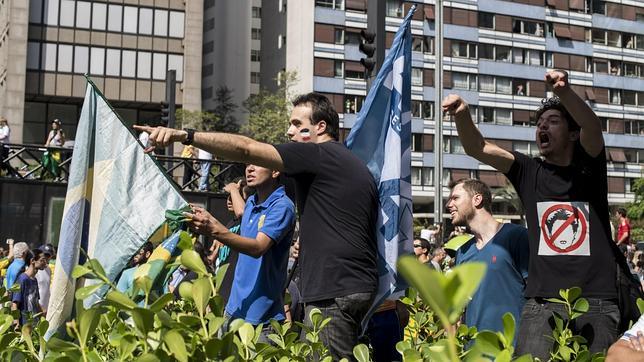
x=576 y=212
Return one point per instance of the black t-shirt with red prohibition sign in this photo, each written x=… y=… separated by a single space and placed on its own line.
x=568 y=225
x=337 y=200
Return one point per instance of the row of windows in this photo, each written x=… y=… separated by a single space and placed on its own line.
x=79 y=59
x=110 y=17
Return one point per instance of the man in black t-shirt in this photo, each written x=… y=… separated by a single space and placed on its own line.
x=337 y=201
x=564 y=196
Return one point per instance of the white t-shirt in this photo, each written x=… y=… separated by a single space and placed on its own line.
x=637 y=327
x=5 y=132
x=44 y=281
x=205 y=155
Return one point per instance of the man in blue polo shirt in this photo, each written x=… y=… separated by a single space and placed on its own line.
x=266 y=232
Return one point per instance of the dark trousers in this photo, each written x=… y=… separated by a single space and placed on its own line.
x=341 y=334
x=599 y=326
x=384 y=331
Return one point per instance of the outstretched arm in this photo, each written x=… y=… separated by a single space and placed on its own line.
x=472 y=139
x=234 y=189
x=229 y=146
x=591 y=130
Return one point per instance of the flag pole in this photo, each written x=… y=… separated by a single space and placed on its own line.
x=438 y=114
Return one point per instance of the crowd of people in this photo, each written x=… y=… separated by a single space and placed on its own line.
x=567 y=242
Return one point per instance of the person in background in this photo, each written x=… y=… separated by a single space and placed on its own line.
x=27 y=299
x=5 y=133
x=182 y=274
x=126 y=281
x=422 y=249
x=189 y=152
x=17 y=265
x=438 y=255
x=56 y=136
x=6 y=260
x=205 y=158
x=43 y=276
x=623 y=230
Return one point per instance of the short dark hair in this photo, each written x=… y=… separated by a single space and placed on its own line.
x=148 y=247
x=621 y=211
x=425 y=244
x=473 y=187
x=555 y=103
x=321 y=110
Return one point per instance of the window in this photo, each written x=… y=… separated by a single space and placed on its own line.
x=352 y=37
x=601 y=66
x=67 y=11
x=421 y=44
x=281 y=41
x=338 y=36
x=48 y=61
x=35 y=11
x=634 y=127
x=257 y=12
x=51 y=13
x=416 y=109
x=486 y=20
x=160 y=22
x=353 y=104
x=422 y=176
x=463 y=49
x=503 y=85
x=114 y=17
x=255 y=34
x=338 y=68
x=130 y=19
x=455 y=146
x=632 y=70
x=143 y=65
x=630 y=97
x=354 y=70
x=83 y=14
x=159 y=66
x=176 y=62
x=417 y=142
x=486 y=83
x=177 y=20
x=333 y=4
x=128 y=65
x=503 y=54
x=495 y=115
x=416 y=174
x=615 y=96
x=81 y=59
x=254 y=55
x=98 y=16
x=145 y=21
x=428 y=109
x=65 y=58
x=527 y=27
x=97 y=61
x=465 y=81
x=33 y=55
x=486 y=51
x=533 y=57
x=614 y=38
x=113 y=62
x=394 y=8
x=598 y=6
x=254 y=77
x=417 y=77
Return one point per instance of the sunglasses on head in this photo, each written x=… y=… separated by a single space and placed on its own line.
x=417 y=246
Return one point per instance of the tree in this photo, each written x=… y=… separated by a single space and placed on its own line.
x=199 y=120
x=225 y=112
x=269 y=111
x=635 y=209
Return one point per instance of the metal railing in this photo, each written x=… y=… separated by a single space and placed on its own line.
x=52 y=164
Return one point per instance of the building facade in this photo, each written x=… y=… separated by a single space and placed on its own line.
x=495 y=55
x=125 y=47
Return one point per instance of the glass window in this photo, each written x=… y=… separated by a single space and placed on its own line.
x=614 y=38
x=176 y=24
x=143 y=63
x=428 y=109
x=256 y=12
x=160 y=22
x=98 y=16
x=487 y=114
x=517 y=55
x=67 y=10
x=338 y=68
x=145 y=21
x=48 y=57
x=486 y=51
x=83 y=14
x=455 y=146
x=630 y=97
x=416 y=176
x=113 y=62
x=159 y=66
x=460 y=80
x=176 y=62
x=486 y=83
x=35 y=11
x=338 y=36
x=428 y=176
x=639 y=42
x=486 y=20
x=615 y=96
x=416 y=76
x=521 y=146
x=632 y=69
x=130 y=19
x=255 y=34
x=114 y=17
x=394 y=8
x=599 y=36
x=415 y=109
x=503 y=53
x=503 y=116
x=534 y=57
x=65 y=56
x=128 y=68
x=81 y=59
x=254 y=55
x=504 y=85
x=51 y=12
x=33 y=55
x=97 y=61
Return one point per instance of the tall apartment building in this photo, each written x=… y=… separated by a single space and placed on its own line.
x=231 y=50
x=495 y=56
x=125 y=47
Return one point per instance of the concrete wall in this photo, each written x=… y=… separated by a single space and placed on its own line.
x=300 y=20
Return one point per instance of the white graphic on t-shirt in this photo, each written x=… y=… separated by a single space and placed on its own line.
x=564 y=227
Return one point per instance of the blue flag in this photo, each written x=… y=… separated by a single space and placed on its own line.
x=381 y=137
x=116 y=199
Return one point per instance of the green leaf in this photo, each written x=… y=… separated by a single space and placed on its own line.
x=508 y=328
x=86 y=291
x=573 y=294
x=246 y=334
x=185 y=290
x=120 y=300
x=143 y=283
x=487 y=342
x=640 y=305
x=201 y=292
x=221 y=274
x=581 y=305
x=82 y=271
x=58 y=345
x=161 y=302
x=5 y=323
x=87 y=321
x=176 y=345
x=191 y=260
x=503 y=356
x=185 y=241
x=361 y=353
x=429 y=283
x=189 y=320
x=148 y=357
x=565 y=352
x=96 y=266
x=26 y=337
x=127 y=345
x=564 y=294
x=555 y=300
x=143 y=319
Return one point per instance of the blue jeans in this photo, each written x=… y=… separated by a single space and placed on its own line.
x=384 y=331
x=205 y=175
x=599 y=326
x=341 y=334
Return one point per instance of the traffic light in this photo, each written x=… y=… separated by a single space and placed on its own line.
x=165 y=113
x=368 y=48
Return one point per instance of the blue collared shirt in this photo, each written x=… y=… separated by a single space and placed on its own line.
x=258 y=287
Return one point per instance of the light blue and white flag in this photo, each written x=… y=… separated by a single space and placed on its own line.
x=381 y=137
x=116 y=199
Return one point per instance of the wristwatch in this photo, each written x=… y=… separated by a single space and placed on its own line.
x=190 y=137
